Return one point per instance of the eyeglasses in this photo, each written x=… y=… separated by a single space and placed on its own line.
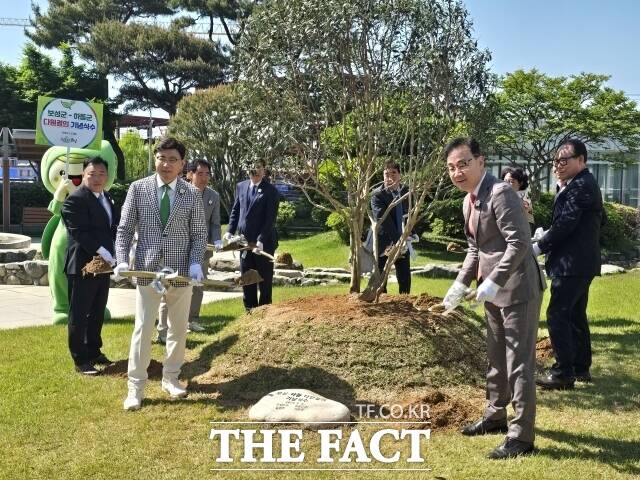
x=462 y=166
x=170 y=161
x=562 y=161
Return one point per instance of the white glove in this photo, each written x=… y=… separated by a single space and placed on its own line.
x=538 y=234
x=227 y=236
x=413 y=238
x=217 y=244
x=64 y=189
x=195 y=273
x=536 y=250
x=454 y=295
x=121 y=267
x=259 y=246
x=487 y=291
x=106 y=255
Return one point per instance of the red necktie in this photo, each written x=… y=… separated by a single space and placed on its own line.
x=471 y=226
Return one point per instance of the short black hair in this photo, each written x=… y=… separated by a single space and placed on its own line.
x=193 y=166
x=95 y=161
x=392 y=164
x=169 y=143
x=518 y=174
x=470 y=142
x=579 y=148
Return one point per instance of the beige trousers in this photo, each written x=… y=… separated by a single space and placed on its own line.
x=196 y=301
x=147 y=302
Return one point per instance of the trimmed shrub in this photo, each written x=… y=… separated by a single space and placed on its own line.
x=119 y=192
x=319 y=216
x=286 y=217
x=26 y=195
x=337 y=222
x=446 y=219
x=543 y=210
x=303 y=208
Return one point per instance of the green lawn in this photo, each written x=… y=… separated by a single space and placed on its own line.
x=326 y=250
x=56 y=424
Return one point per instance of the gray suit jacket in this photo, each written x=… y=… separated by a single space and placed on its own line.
x=501 y=251
x=178 y=245
x=211 y=202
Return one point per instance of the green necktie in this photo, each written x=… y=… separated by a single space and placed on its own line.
x=165 y=206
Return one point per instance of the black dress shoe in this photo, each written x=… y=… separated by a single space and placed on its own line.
x=510 y=448
x=552 y=382
x=583 y=377
x=102 y=360
x=86 y=369
x=482 y=427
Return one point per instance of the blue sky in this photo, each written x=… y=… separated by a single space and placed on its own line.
x=560 y=37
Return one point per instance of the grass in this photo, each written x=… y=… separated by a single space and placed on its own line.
x=56 y=424
x=326 y=250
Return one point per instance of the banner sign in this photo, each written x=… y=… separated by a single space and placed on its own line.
x=69 y=123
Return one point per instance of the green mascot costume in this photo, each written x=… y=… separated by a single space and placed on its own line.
x=54 y=238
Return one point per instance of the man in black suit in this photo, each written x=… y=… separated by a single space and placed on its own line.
x=391 y=228
x=254 y=215
x=572 y=247
x=91 y=220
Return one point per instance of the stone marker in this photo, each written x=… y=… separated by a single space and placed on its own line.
x=298 y=405
x=610 y=269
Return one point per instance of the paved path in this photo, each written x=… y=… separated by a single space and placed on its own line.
x=28 y=306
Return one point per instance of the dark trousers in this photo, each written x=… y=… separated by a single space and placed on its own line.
x=568 y=325
x=248 y=261
x=87 y=301
x=403 y=272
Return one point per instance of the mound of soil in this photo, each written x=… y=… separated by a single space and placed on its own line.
x=350 y=351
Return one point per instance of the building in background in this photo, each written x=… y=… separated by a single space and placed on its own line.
x=618 y=184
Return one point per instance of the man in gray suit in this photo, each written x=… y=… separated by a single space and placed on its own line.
x=168 y=215
x=199 y=175
x=510 y=283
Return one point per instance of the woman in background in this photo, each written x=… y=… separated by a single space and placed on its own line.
x=519 y=181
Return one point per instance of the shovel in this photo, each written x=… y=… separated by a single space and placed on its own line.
x=469 y=297
x=250 y=277
x=239 y=243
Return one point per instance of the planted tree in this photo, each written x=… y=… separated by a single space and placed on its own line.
x=337 y=88
x=537 y=113
x=212 y=122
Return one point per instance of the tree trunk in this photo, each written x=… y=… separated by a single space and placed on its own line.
x=355 y=236
x=534 y=186
x=111 y=138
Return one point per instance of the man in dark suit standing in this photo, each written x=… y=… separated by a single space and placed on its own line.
x=510 y=285
x=91 y=220
x=391 y=228
x=572 y=247
x=254 y=215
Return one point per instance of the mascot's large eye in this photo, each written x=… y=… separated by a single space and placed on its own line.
x=62 y=173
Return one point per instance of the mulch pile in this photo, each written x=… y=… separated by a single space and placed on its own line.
x=544 y=350
x=96 y=266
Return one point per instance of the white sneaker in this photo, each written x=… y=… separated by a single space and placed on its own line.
x=173 y=388
x=134 y=399
x=195 y=327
